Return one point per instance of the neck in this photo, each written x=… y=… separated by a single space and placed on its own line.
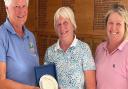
x=19 y=31
x=18 y=28
x=112 y=46
x=65 y=44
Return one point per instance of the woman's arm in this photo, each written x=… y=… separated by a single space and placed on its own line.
x=90 y=79
x=10 y=84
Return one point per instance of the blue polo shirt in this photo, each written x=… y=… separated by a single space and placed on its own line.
x=19 y=54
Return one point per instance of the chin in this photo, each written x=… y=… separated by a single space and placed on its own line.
x=21 y=22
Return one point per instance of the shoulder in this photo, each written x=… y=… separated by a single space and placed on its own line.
x=4 y=37
x=29 y=32
x=82 y=44
x=124 y=46
x=101 y=45
x=50 y=51
x=3 y=32
x=2 y=29
x=100 y=48
x=83 y=48
x=52 y=47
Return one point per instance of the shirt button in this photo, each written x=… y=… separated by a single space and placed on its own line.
x=113 y=65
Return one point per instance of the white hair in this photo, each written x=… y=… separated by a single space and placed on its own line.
x=65 y=12
x=8 y=2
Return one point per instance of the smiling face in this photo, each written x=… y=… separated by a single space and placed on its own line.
x=115 y=28
x=17 y=12
x=64 y=29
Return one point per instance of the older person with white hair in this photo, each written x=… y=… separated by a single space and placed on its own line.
x=18 y=51
x=73 y=58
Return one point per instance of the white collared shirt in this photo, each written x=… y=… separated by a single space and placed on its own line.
x=57 y=47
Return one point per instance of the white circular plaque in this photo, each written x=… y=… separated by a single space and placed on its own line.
x=48 y=82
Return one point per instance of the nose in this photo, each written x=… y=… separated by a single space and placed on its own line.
x=22 y=9
x=61 y=27
x=113 y=27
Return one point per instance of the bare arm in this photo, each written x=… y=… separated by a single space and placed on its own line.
x=10 y=84
x=90 y=79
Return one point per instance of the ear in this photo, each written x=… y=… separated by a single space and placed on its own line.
x=6 y=7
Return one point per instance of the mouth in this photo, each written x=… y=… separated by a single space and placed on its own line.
x=114 y=33
x=20 y=17
x=63 y=33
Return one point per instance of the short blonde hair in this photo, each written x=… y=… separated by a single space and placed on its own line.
x=8 y=2
x=65 y=12
x=123 y=12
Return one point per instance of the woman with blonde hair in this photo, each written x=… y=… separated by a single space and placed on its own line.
x=111 y=56
x=74 y=62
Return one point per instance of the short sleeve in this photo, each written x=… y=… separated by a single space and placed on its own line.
x=46 y=57
x=88 y=60
x=2 y=49
x=127 y=68
x=35 y=46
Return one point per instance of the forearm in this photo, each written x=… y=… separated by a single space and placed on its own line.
x=91 y=86
x=9 y=84
x=90 y=79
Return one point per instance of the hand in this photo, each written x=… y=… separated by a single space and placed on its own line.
x=36 y=88
x=59 y=88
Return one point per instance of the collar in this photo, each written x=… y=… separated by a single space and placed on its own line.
x=120 y=47
x=10 y=28
x=57 y=46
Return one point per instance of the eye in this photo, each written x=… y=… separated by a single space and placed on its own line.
x=58 y=25
x=118 y=24
x=24 y=6
x=17 y=6
x=110 y=23
x=65 y=23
